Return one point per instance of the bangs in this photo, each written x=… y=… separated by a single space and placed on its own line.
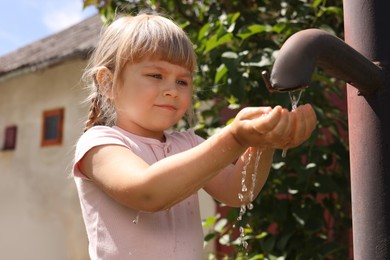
x=160 y=39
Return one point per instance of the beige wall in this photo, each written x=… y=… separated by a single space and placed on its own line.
x=40 y=214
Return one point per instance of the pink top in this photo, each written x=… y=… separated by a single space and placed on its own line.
x=175 y=233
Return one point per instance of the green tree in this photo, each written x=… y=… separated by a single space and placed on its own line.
x=303 y=212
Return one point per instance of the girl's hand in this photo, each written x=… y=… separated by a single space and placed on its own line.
x=305 y=123
x=276 y=128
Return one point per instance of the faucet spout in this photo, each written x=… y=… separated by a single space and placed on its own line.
x=304 y=50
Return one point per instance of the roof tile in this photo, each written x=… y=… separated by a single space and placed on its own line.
x=78 y=40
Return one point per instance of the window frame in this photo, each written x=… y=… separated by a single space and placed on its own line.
x=59 y=112
x=10 y=137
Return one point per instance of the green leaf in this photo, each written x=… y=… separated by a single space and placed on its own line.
x=203 y=31
x=278 y=28
x=261 y=235
x=209 y=236
x=233 y=17
x=221 y=72
x=316 y=3
x=216 y=41
x=209 y=221
x=251 y=30
x=87 y=3
x=230 y=121
x=257 y=257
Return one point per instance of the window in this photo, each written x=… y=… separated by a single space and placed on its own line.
x=10 y=138
x=52 y=127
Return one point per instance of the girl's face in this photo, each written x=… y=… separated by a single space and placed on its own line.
x=152 y=96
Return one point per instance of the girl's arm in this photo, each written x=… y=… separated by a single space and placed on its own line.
x=226 y=186
x=132 y=182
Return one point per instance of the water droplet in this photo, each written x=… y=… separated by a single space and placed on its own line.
x=242 y=209
x=135 y=221
x=242 y=232
x=245 y=245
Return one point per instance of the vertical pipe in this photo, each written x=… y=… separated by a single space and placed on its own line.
x=366 y=30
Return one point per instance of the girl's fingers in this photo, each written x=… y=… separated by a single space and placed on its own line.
x=300 y=131
x=306 y=122
x=281 y=133
x=249 y=113
x=309 y=118
x=266 y=123
x=251 y=123
x=277 y=127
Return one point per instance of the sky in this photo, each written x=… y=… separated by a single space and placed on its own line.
x=25 y=21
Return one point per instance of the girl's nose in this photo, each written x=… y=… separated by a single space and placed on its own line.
x=170 y=89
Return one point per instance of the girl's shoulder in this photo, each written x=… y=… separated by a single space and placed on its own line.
x=101 y=135
x=94 y=137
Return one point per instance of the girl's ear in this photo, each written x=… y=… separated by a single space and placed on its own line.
x=105 y=81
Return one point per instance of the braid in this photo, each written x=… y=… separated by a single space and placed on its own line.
x=95 y=116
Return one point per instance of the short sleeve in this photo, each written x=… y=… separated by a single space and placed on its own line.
x=96 y=136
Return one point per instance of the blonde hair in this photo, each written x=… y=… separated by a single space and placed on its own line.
x=130 y=39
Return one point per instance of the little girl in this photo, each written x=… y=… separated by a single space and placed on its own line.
x=136 y=181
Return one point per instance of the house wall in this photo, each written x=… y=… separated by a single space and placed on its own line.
x=40 y=216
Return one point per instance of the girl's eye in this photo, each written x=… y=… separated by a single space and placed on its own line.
x=157 y=76
x=182 y=82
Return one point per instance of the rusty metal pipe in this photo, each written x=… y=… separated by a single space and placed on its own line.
x=306 y=49
x=366 y=26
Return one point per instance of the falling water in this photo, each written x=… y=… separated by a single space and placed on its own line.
x=294 y=104
x=254 y=176
x=244 y=189
x=295 y=99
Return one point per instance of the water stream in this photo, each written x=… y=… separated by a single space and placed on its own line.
x=294 y=104
x=244 y=190
x=294 y=98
